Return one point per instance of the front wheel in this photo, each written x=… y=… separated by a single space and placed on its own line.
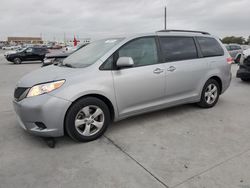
x=17 y=61
x=87 y=119
x=210 y=94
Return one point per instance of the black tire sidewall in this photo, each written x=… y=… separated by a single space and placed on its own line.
x=203 y=103
x=75 y=108
x=17 y=60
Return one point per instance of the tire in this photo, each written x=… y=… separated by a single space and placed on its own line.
x=210 y=90
x=245 y=79
x=82 y=118
x=17 y=60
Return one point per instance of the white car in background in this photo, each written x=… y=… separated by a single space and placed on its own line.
x=245 y=47
x=13 y=51
x=239 y=58
x=11 y=47
x=7 y=48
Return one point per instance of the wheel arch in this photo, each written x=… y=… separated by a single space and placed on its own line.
x=218 y=79
x=17 y=57
x=99 y=96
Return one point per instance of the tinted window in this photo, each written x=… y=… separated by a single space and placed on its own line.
x=108 y=64
x=143 y=51
x=210 y=47
x=178 y=48
x=235 y=47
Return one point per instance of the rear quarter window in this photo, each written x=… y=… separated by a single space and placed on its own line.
x=210 y=47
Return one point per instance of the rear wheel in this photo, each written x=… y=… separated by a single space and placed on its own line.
x=87 y=119
x=210 y=94
x=17 y=61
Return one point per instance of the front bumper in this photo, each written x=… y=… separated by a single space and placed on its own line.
x=243 y=72
x=45 y=109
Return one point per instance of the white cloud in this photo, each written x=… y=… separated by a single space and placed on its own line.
x=98 y=18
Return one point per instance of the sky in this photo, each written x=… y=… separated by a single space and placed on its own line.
x=54 y=19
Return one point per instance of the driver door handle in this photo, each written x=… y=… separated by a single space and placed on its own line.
x=158 y=71
x=171 y=69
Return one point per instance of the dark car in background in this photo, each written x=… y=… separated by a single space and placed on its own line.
x=244 y=66
x=27 y=54
x=58 y=57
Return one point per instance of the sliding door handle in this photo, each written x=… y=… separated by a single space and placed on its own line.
x=171 y=69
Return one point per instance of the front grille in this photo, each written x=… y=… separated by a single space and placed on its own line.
x=20 y=93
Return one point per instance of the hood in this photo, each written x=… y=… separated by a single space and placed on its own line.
x=46 y=74
x=10 y=52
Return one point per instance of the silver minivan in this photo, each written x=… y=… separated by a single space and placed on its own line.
x=115 y=78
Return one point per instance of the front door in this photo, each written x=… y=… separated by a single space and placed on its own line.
x=29 y=54
x=142 y=87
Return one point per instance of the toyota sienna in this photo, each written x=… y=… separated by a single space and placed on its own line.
x=115 y=78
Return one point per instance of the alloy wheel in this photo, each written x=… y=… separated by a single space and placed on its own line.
x=211 y=93
x=89 y=120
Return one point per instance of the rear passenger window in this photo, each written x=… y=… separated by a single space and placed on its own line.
x=210 y=47
x=178 y=48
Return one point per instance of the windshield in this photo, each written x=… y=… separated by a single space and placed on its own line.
x=90 y=53
x=21 y=49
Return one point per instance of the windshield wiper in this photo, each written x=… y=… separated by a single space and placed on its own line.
x=67 y=65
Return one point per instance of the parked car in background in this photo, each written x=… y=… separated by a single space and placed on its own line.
x=11 y=47
x=27 y=54
x=13 y=51
x=1 y=45
x=112 y=79
x=244 y=66
x=56 y=46
x=245 y=47
x=58 y=57
x=240 y=56
x=234 y=49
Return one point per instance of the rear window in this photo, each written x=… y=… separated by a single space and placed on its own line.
x=235 y=47
x=178 y=48
x=210 y=47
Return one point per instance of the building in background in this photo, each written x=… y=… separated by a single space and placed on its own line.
x=25 y=40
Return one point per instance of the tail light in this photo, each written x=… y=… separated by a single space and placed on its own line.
x=230 y=60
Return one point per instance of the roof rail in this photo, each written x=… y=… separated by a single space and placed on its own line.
x=186 y=31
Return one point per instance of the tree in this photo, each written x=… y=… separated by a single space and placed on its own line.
x=233 y=39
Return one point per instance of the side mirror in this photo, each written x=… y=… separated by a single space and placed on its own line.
x=124 y=62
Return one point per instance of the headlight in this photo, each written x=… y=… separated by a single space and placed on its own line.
x=45 y=88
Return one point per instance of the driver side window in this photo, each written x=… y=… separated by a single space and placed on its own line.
x=143 y=51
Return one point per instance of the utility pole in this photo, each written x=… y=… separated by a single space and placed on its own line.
x=165 y=17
